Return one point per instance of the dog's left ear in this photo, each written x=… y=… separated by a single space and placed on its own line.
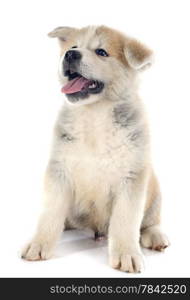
x=137 y=55
x=63 y=33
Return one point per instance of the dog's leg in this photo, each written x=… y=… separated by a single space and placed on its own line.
x=51 y=223
x=151 y=235
x=124 y=229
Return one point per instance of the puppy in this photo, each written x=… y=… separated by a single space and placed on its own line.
x=100 y=175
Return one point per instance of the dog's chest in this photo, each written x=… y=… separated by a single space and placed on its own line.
x=97 y=154
x=95 y=145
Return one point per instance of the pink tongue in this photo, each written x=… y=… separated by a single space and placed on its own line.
x=75 y=85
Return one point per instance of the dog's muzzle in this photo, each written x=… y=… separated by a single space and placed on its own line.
x=78 y=86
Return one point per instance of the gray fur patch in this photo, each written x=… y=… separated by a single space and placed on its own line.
x=131 y=175
x=124 y=115
x=64 y=127
x=135 y=135
x=82 y=219
x=66 y=137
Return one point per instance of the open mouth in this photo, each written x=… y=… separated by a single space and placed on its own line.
x=79 y=86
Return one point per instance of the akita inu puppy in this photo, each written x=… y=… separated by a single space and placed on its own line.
x=100 y=175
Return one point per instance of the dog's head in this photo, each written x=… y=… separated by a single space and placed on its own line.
x=97 y=61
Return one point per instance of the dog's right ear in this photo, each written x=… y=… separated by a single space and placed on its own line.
x=63 y=33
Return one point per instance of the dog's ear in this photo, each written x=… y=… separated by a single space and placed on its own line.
x=137 y=55
x=63 y=33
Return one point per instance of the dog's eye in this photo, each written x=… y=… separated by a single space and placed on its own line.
x=101 y=52
x=74 y=47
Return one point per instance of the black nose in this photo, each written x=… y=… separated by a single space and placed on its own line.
x=72 y=55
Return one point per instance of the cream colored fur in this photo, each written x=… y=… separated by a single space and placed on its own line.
x=100 y=174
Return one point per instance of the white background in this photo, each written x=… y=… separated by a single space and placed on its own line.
x=30 y=98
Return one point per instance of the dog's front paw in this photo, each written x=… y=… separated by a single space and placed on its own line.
x=126 y=260
x=37 y=251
